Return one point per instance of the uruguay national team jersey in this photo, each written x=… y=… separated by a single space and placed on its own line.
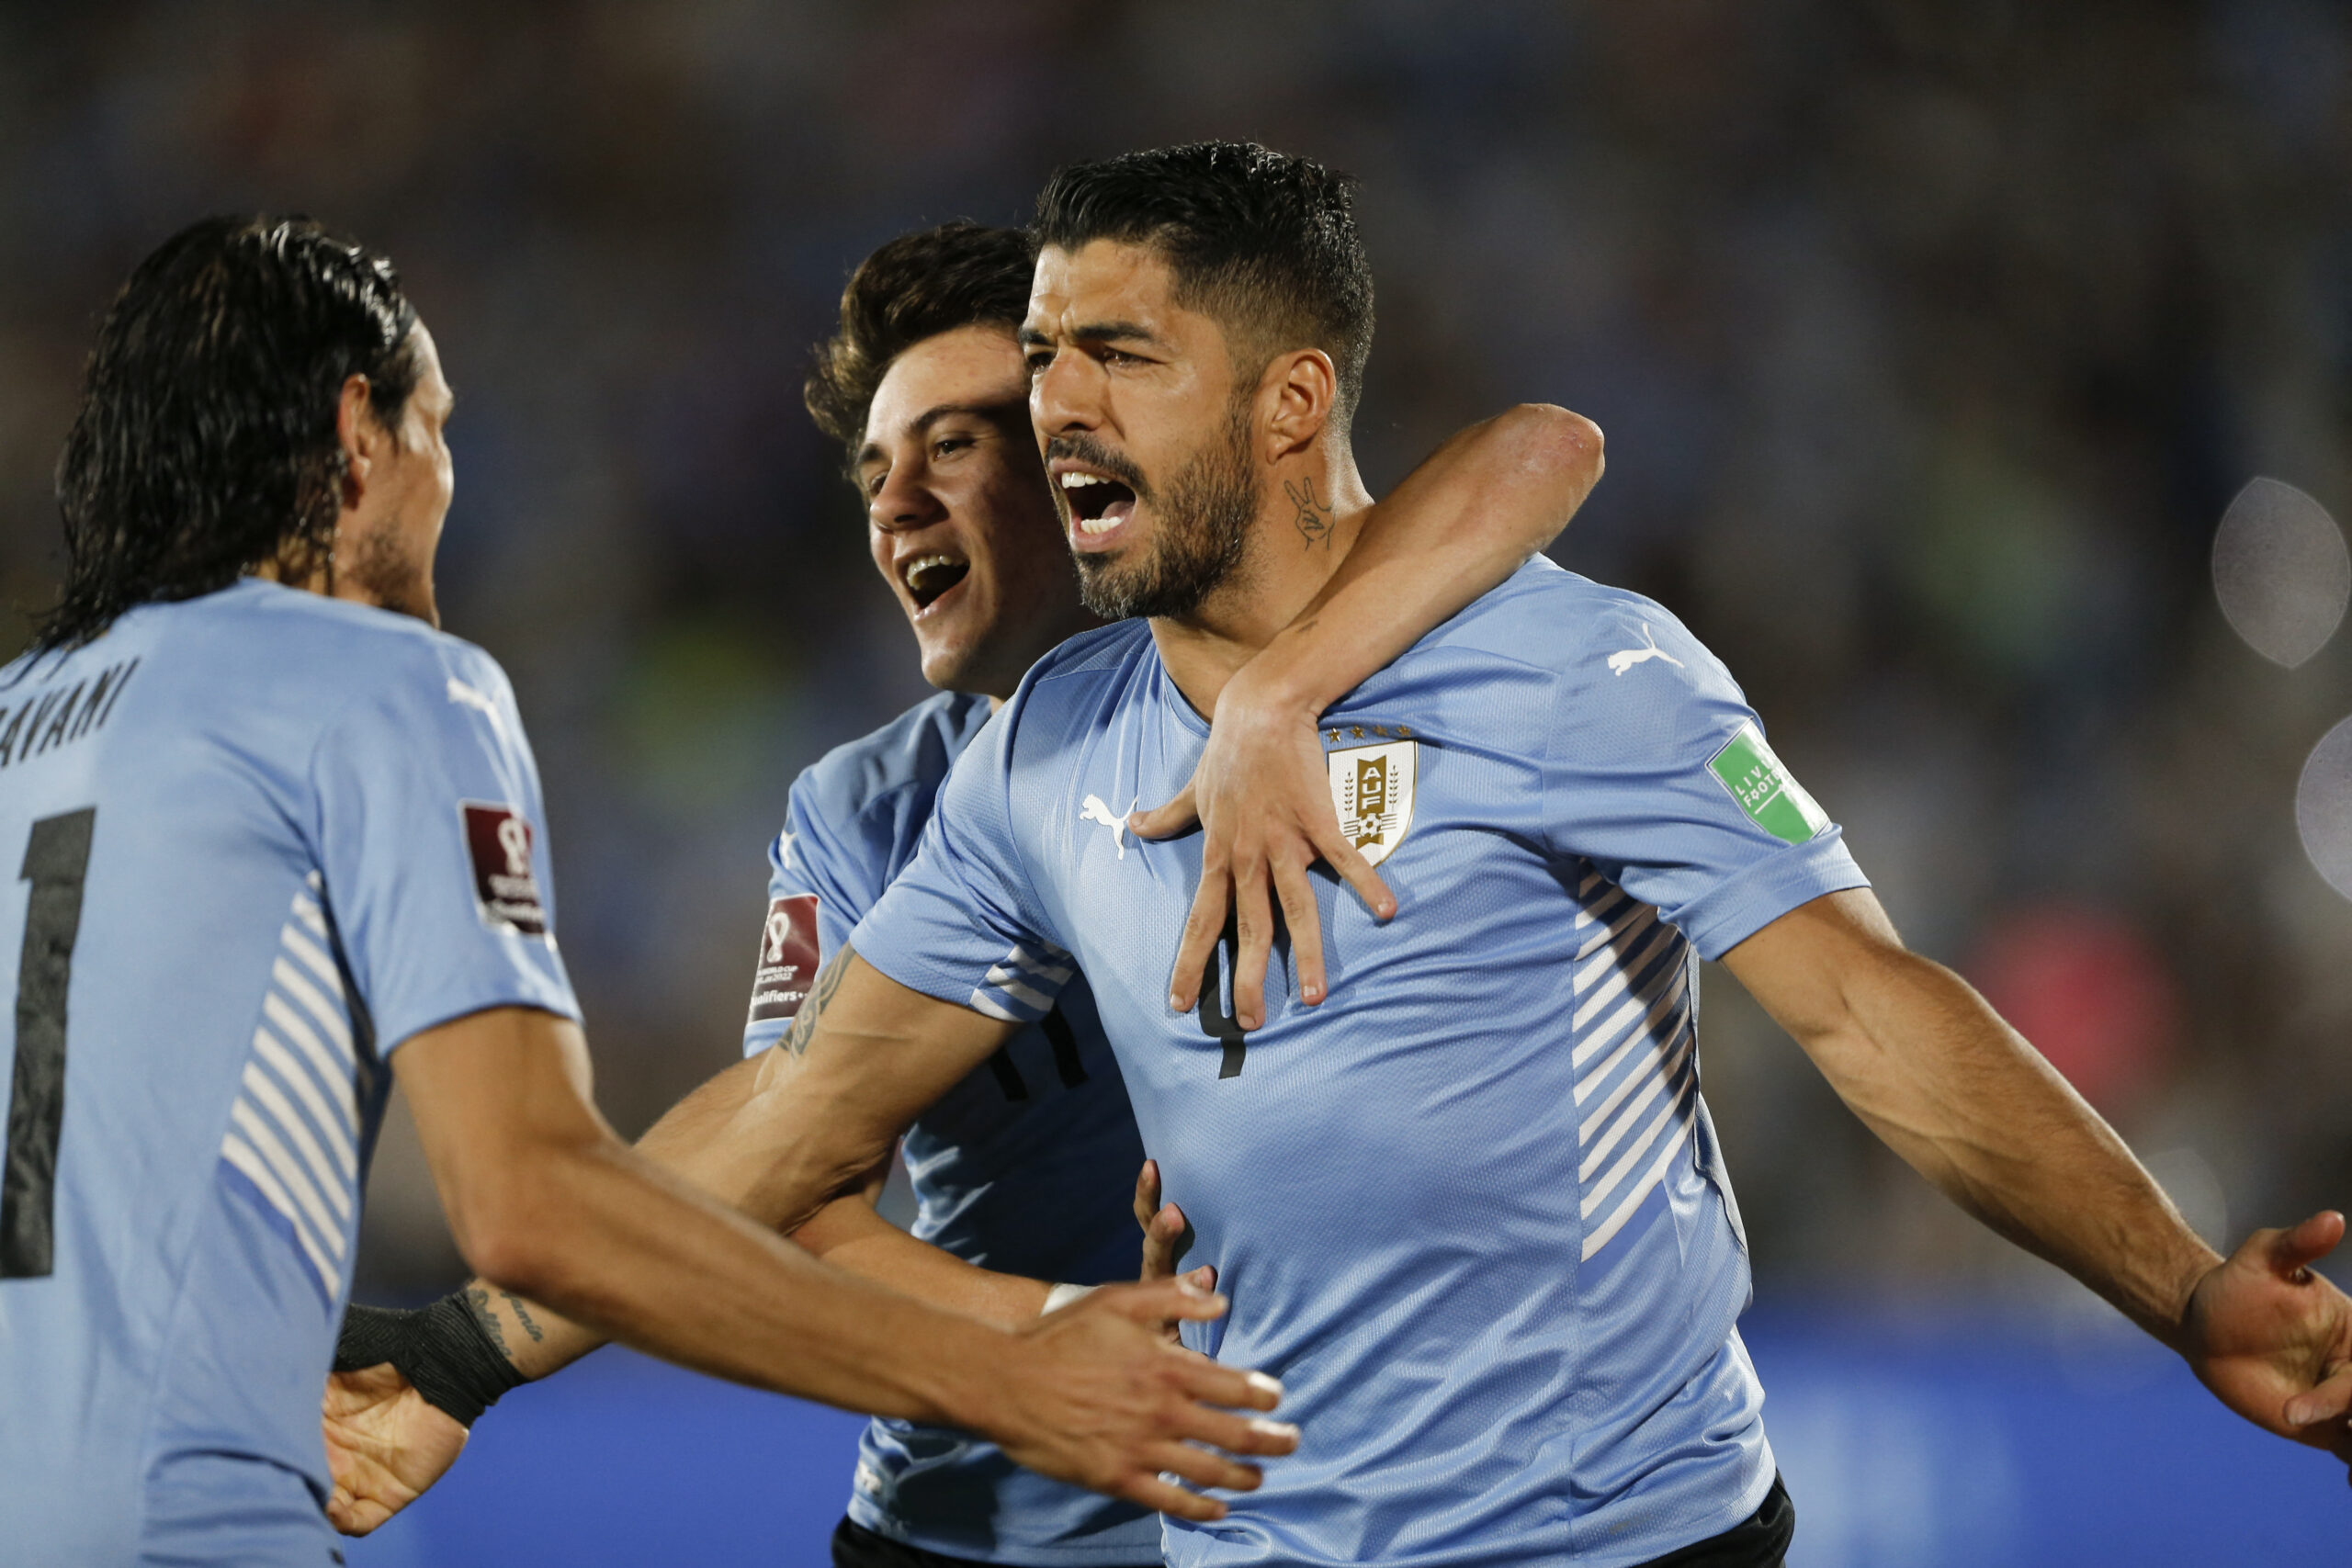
x=263 y=837
x=1470 y=1210
x=1027 y=1167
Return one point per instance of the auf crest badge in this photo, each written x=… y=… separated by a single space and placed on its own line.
x=1372 y=789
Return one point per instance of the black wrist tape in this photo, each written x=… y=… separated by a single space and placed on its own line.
x=442 y=1349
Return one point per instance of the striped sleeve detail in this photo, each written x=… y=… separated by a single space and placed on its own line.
x=1635 y=1055
x=294 y=1132
x=1021 y=987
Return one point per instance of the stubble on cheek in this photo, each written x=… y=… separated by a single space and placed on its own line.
x=394 y=577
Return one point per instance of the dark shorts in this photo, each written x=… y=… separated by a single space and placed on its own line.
x=1761 y=1540
x=855 y=1546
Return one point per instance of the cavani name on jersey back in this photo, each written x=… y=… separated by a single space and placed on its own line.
x=1027 y=1166
x=263 y=837
x=1470 y=1209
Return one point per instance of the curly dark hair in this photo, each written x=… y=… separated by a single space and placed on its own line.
x=1263 y=241
x=959 y=273
x=205 y=443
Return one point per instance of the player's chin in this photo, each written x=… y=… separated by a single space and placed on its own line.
x=950 y=662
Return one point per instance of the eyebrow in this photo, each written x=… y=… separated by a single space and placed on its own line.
x=1095 y=332
x=872 y=451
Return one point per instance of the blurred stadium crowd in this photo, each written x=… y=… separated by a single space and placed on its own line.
x=1931 y=341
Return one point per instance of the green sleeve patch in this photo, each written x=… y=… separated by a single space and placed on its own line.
x=1773 y=800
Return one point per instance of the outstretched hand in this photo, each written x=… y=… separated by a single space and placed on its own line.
x=1262 y=796
x=1099 y=1398
x=2273 y=1340
x=385 y=1446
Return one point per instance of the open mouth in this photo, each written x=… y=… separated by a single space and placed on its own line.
x=1098 y=503
x=929 y=577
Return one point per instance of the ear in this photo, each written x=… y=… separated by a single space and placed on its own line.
x=1305 y=388
x=357 y=427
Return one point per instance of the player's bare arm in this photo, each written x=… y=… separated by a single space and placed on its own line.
x=551 y=1207
x=1471 y=513
x=1971 y=1106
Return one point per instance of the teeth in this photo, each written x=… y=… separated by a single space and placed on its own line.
x=1073 y=480
x=1097 y=524
x=937 y=560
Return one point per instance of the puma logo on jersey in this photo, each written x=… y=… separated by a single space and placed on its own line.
x=467 y=696
x=1621 y=663
x=1096 y=811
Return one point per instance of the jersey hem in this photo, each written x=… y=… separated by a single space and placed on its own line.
x=392 y=1040
x=907 y=969
x=1735 y=911
x=881 y=1521
x=1712 y=1525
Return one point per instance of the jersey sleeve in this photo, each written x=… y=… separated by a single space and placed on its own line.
x=1658 y=772
x=963 y=922
x=431 y=842
x=823 y=875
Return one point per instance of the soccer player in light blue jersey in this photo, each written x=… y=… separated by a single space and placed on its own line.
x=1454 y=1169
x=1022 y=1166
x=281 y=839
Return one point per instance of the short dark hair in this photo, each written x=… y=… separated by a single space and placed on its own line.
x=959 y=273
x=1265 y=242
x=205 y=443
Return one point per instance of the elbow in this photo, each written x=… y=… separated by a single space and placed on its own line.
x=1550 y=458
x=800 y=1164
x=515 y=1233
x=1554 y=445
x=517 y=1262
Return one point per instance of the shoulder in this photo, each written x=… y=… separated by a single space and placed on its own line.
x=913 y=751
x=1077 y=684
x=285 y=658
x=1109 y=650
x=1589 y=634
x=333 y=641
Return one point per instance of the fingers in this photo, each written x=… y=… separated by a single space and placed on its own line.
x=1166 y=1497
x=1178 y=816
x=1201 y=928
x=2291 y=1252
x=1147 y=1193
x=1163 y=1242
x=1254 y=930
x=1213 y=1383
x=1296 y=891
x=1203 y=1467
x=1238 y=1433
x=2331 y=1401
x=1354 y=870
x=1157 y=1300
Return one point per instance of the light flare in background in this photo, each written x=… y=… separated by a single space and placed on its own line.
x=2280 y=571
x=2323 y=808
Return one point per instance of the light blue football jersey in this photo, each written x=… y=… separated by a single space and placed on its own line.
x=265 y=837
x=1470 y=1210
x=1027 y=1166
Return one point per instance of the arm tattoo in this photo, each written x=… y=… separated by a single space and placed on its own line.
x=1315 y=519
x=478 y=1304
x=523 y=1317
x=812 y=1006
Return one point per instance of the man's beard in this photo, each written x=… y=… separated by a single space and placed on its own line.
x=1203 y=532
x=391 y=576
